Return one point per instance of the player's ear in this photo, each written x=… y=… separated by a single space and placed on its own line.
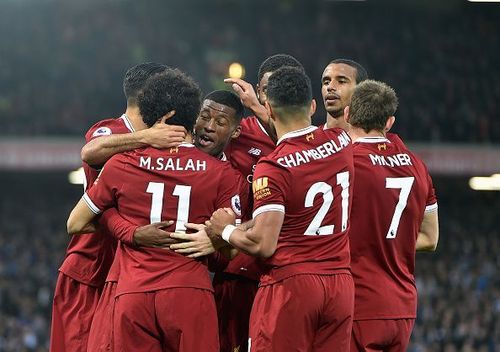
x=347 y=118
x=389 y=123
x=167 y=116
x=236 y=133
x=269 y=110
x=313 y=107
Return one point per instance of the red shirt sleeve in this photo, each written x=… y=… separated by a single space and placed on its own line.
x=100 y=129
x=270 y=186
x=431 y=204
x=117 y=226
x=102 y=194
x=230 y=188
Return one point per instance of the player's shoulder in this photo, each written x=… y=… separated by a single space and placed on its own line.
x=109 y=126
x=335 y=131
x=396 y=139
x=252 y=124
x=249 y=122
x=374 y=144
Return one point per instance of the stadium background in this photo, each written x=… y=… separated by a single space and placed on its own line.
x=61 y=66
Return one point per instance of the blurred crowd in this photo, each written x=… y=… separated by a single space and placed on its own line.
x=32 y=244
x=61 y=63
x=459 y=285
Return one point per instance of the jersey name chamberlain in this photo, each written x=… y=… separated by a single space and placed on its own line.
x=320 y=152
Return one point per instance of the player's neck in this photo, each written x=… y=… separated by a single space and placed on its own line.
x=295 y=125
x=188 y=138
x=336 y=122
x=357 y=133
x=134 y=115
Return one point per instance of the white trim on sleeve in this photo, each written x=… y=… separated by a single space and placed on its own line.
x=93 y=208
x=268 y=207
x=431 y=208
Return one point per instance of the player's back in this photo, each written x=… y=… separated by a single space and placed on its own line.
x=89 y=257
x=392 y=190
x=308 y=176
x=181 y=184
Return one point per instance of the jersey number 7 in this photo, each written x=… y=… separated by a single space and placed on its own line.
x=404 y=184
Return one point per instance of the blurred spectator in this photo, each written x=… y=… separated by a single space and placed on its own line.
x=32 y=244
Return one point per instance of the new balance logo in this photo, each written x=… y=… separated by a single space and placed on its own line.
x=255 y=151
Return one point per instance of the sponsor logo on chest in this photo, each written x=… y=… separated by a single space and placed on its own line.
x=254 y=151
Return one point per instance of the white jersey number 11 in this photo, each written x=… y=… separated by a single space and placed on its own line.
x=183 y=192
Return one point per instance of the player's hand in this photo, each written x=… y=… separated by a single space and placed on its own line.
x=246 y=93
x=153 y=235
x=195 y=244
x=163 y=136
x=219 y=220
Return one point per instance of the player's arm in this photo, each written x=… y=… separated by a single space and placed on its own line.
x=428 y=235
x=259 y=238
x=249 y=98
x=80 y=219
x=151 y=235
x=99 y=197
x=97 y=151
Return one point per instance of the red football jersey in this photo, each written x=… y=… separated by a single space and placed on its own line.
x=307 y=177
x=243 y=153
x=392 y=190
x=252 y=144
x=89 y=257
x=149 y=185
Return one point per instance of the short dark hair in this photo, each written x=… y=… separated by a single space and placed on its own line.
x=289 y=87
x=136 y=77
x=361 y=74
x=272 y=63
x=167 y=91
x=230 y=99
x=372 y=104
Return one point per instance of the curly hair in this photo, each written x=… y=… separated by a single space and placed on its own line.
x=289 y=87
x=272 y=63
x=167 y=91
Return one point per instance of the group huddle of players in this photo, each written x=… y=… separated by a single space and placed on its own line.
x=311 y=232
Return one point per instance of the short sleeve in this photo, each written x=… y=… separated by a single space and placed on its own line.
x=269 y=188
x=100 y=129
x=230 y=188
x=102 y=194
x=431 y=203
x=244 y=191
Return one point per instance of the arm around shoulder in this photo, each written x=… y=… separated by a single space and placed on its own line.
x=98 y=151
